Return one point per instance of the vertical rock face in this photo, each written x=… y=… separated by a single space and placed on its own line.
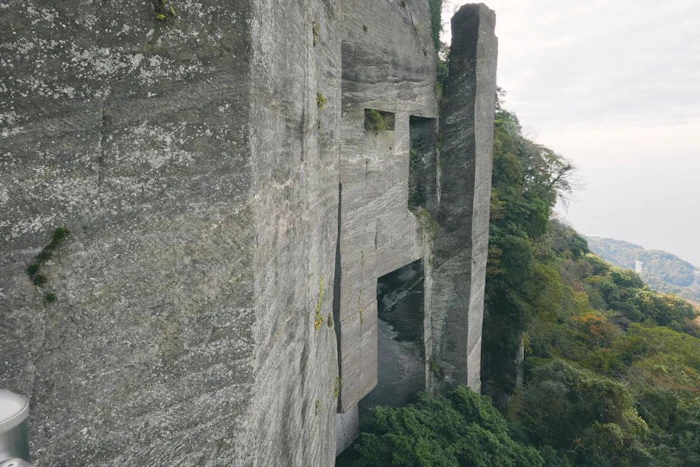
x=133 y=134
x=466 y=160
x=236 y=176
x=388 y=72
x=198 y=175
x=294 y=128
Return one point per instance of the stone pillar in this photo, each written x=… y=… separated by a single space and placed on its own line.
x=465 y=164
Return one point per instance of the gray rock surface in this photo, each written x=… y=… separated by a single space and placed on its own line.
x=199 y=178
x=466 y=160
x=388 y=64
x=347 y=429
x=230 y=213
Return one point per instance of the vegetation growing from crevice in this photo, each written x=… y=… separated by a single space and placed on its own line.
x=47 y=254
x=164 y=10
x=377 y=121
x=316 y=29
x=416 y=191
x=318 y=318
x=338 y=387
x=427 y=222
x=320 y=101
x=442 y=70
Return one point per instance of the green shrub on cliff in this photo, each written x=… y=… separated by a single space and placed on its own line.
x=462 y=429
x=590 y=418
x=435 y=21
x=610 y=377
x=528 y=178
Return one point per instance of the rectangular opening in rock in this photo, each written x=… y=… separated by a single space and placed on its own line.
x=377 y=121
x=422 y=161
x=401 y=350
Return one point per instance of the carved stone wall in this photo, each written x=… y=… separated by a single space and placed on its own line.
x=198 y=175
x=388 y=65
x=231 y=210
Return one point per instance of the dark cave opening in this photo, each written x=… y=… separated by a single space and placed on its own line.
x=401 y=351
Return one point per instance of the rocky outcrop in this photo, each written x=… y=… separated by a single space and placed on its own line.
x=235 y=178
x=466 y=160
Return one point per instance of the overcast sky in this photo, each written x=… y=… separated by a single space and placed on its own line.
x=615 y=87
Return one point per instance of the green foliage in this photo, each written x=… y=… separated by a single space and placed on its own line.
x=566 y=241
x=435 y=21
x=375 y=121
x=462 y=429
x=527 y=181
x=164 y=10
x=416 y=191
x=434 y=367
x=442 y=69
x=626 y=278
x=316 y=29
x=46 y=254
x=320 y=101
x=589 y=418
x=39 y=279
x=318 y=318
x=612 y=369
x=427 y=221
x=665 y=310
x=338 y=387
x=33 y=268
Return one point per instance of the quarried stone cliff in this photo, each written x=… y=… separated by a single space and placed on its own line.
x=197 y=202
x=197 y=170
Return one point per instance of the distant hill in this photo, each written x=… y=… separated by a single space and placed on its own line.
x=662 y=271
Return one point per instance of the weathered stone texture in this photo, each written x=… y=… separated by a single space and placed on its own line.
x=230 y=216
x=295 y=172
x=347 y=429
x=388 y=64
x=199 y=179
x=466 y=160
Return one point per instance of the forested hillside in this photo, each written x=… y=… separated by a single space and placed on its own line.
x=586 y=365
x=662 y=271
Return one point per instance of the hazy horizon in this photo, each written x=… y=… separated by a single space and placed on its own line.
x=614 y=86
